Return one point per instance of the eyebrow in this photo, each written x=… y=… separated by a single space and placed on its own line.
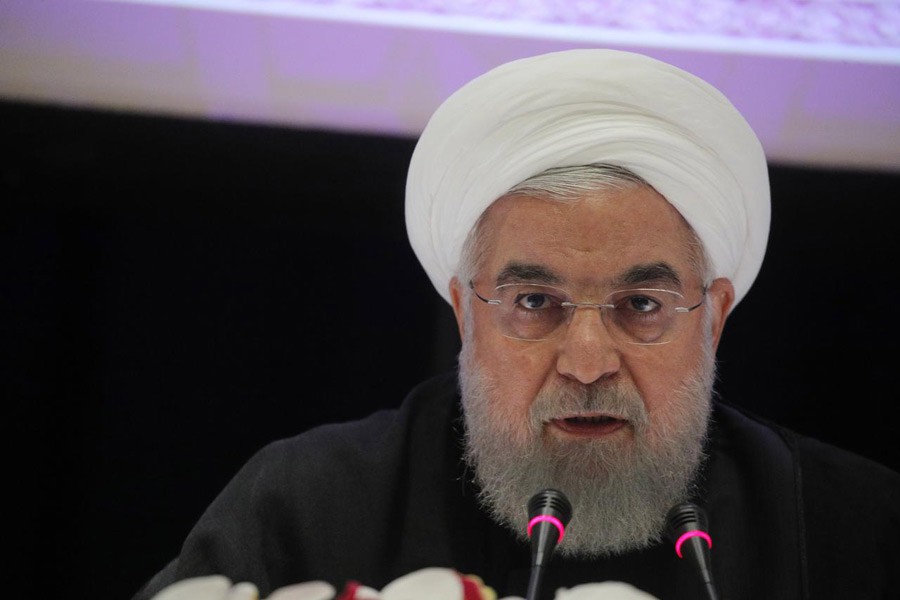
x=659 y=272
x=531 y=273
x=650 y=273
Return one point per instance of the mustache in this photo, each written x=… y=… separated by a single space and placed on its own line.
x=572 y=398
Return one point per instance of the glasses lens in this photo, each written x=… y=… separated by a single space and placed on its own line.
x=639 y=316
x=530 y=312
x=644 y=316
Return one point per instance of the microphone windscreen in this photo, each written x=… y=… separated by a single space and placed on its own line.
x=684 y=521
x=551 y=506
x=686 y=528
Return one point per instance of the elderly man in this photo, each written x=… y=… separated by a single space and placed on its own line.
x=592 y=217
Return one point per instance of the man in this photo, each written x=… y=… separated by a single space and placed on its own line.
x=593 y=217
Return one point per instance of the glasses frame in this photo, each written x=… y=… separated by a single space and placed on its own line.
x=576 y=305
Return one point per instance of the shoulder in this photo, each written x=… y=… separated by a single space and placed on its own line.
x=820 y=465
x=836 y=513
x=359 y=449
x=839 y=497
x=848 y=492
x=332 y=487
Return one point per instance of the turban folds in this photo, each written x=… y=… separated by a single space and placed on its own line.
x=577 y=107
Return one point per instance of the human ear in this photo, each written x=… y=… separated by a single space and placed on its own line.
x=457 y=298
x=721 y=295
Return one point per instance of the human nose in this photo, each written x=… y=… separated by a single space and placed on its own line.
x=587 y=353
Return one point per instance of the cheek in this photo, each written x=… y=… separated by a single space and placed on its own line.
x=658 y=376
x=518 y=371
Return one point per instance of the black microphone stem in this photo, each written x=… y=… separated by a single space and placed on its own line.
x=686 y=526
x=549 y=512
x=534 y=582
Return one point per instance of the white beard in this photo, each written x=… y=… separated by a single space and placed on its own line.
x=620 y=488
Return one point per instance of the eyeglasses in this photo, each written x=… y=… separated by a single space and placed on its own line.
x=644 y=316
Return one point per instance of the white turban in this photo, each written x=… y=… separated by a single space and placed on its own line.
x=578 y=107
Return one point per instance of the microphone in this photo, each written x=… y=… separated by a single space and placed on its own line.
x=686 y=528
x=549 y=511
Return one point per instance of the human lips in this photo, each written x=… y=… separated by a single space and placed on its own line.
x=590 y=424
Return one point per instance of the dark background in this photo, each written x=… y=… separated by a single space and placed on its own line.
x=176 y=293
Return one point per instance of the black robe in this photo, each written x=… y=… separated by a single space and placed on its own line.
x=375 y=499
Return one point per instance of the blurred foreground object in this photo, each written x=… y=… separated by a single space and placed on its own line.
x=433 y=583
